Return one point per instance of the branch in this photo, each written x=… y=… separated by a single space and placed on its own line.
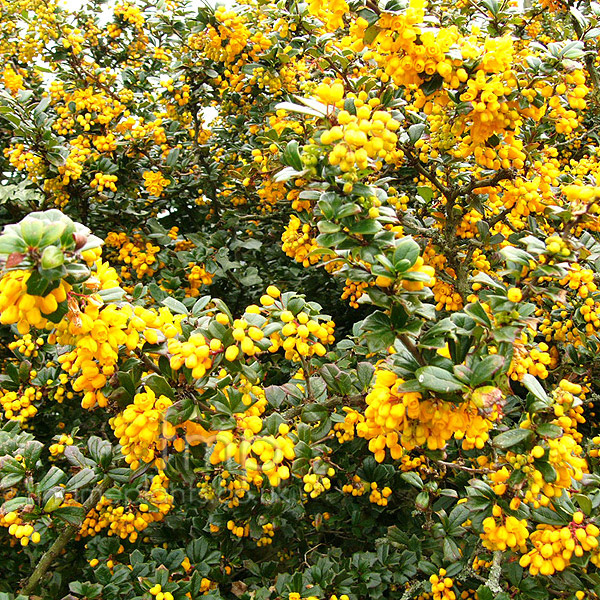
x=501 y=175
x=63 y=539
x=305 y=369
x=451 y=465
x=150 y=365
x=493 y=581
x=329 y=403
x=408 y=344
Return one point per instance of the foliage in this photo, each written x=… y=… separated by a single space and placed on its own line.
x=299 y=300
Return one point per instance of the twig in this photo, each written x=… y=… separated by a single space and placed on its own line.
x=458 y=467
x=493 y=581
x=63 y=539
x=412 y=349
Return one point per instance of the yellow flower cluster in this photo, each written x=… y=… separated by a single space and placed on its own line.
x=580 y=280
x=136 y=254
x=130 y=14
x=26 y=346
x=396 y=49
x=302 y=336
x=59 y=447
x=507 y=532
x=298 y=242
x=24 y=532
x=354 y=290
x=257 y=455
x=315 y=485
x=82 y=109
x=554 y=547
x=194 y=354
x=142 y=429
x=13 y=81
x=441 y=586
x=19 y=406
x=224 y=41
x=534 y=361
x=155 y=183
x=357 y=139
x=156 y=591
x=128 y=522
x=563 y=454
x=97 y=333
x=267 y=537
x=238 y=530
x=17 y=306
x=400 y=421
x=197 y=276
x=379 y=497
x=104 y=181
x=329 y=12
x=25 y=160
x=356 y=488
x=233 y=489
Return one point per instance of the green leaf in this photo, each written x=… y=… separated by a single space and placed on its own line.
x=546 y=515
x=486 y=369
x=549 y=430
x=406 y=253
x=53 y=477
x=535 y=387
x=478 y=314
x=11 y=243
x=511 y=438
x=70 y=514
x=37 y=284
x=413 y=479
x=172 y=157
x=81 y=479
x=313 y=412
x=422 y=500
x=52 y=257
x=484 y=593
x=175 y=306
x=379 y=333
x=438 y=380
x=275 y=396
x=547 y=470
x=452 y=552
x=366 y=227
x=291 y=156
x=31 y=453
x=415 y=132
x=328 y=227
x=159 y=386
x=32 y=231
x=11 y=480
x=11 y=465
x=584 y=503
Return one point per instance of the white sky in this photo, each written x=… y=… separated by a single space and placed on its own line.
x=77 y=4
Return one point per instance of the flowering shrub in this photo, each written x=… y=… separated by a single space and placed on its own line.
x=299 y=302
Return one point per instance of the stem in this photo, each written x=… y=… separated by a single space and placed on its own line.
x=63 y=539
x=410 y=590
x=408 y=344
x=305 y=369
x=147 y=362
x=493 y=581
x=294 y=411
x=462 y=467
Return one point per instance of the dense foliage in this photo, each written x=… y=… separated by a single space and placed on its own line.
x=300 y=300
